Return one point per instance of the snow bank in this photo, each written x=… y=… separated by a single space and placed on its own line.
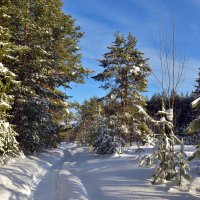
x=19 y=177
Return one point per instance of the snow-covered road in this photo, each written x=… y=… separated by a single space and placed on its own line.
x=58 y=183
x=74 y=173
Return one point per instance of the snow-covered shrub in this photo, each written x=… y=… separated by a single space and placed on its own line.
x=171 y=165
x=181 y=166
x=106 y=144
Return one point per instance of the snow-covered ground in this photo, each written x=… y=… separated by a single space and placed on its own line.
x=74 y=173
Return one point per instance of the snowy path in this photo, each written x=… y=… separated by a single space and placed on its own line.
x=59 y=183
x=49 y=187
x=74 y=173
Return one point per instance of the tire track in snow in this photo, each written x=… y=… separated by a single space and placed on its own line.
x=59 y=184
x=48 y=188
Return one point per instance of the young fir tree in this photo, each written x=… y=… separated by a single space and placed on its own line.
x=8 y=143
x=195 y=127
x=51 y=60
x=196 y=92
x=195 y=95
x=124 y=76
x=171 y=165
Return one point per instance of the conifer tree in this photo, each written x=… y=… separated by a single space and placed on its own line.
x=197 y=87
x=98 y=128
x=194 y=127
x=8 y=143
x=124 y=76
x=89 y=117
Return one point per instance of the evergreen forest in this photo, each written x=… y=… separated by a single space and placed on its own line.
x=40 y=57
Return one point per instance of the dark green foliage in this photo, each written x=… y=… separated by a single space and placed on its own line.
x=89 y=117
x=183 y=113
x=196 y=92
x=49 y=60
x=194 y=126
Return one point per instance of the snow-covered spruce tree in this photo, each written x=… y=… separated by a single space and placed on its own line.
x=51 y=60
x=8 y=143
x=171 y=164
x=96 y=128
x=196 y=92
x=109 y=129
x=195 y=127
x=124 y=76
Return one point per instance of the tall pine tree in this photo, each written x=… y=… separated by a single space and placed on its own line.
x=125 y=73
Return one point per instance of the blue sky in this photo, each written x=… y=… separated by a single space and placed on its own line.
x=100 y=19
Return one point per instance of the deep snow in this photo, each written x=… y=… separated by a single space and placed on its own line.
x=74 y=173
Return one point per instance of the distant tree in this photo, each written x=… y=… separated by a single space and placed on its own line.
x=88 y=119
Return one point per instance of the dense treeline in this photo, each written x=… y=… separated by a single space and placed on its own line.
x=88 y=112
x=39 y=53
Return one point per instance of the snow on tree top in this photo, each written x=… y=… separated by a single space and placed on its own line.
x=3 y=43
x=135 y=70
x=195 y=103
x=4 y=104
